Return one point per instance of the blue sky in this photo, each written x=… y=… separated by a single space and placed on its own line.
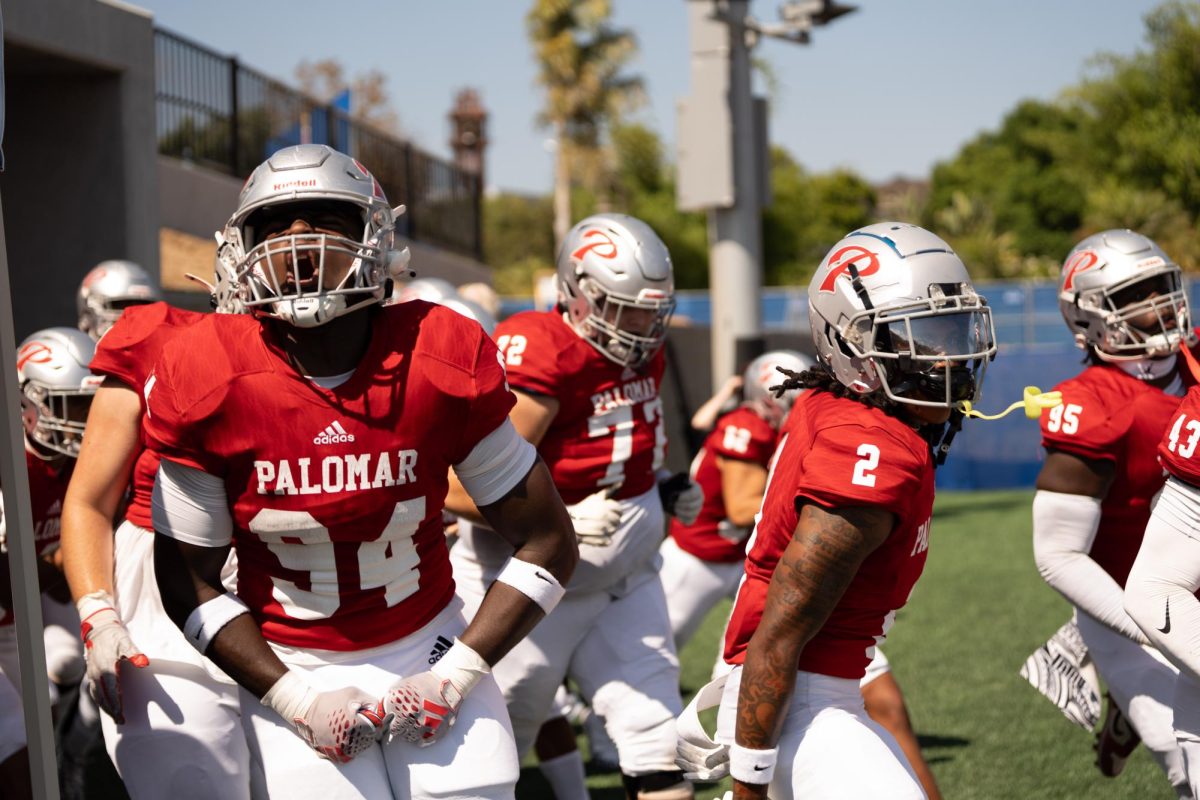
x=889 y=90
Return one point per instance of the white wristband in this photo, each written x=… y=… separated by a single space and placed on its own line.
x=533 y=581
x=208 y=618
x=752 y=766
x=462 y=666
x=291 y=696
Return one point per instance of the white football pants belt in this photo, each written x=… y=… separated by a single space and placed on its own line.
x=701 y=758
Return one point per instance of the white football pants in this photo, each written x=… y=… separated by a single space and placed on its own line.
x=182 y=736
x=829 y=749
x=693 y=586
x=476 y=758
x=1142 y=681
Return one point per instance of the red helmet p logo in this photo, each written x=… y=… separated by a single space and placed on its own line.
x=595 y=241
x=1080 y=262
x=34 y=352
x=839 y=264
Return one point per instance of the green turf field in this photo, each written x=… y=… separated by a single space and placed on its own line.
x=978 y=611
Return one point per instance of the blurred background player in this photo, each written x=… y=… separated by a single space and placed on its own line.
x=902 y=338
x=315 y=434
x=56 y=390
x=172 y=722
x=702 y=562
x=109 y=288
x=1123 y=299
x=587 y=378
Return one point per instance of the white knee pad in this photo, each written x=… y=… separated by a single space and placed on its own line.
x=642 y=728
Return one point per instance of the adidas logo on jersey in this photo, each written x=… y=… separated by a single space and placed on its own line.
x=439 y=649
x=333 y=434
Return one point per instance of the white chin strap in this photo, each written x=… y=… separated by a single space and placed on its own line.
x=1147 y=369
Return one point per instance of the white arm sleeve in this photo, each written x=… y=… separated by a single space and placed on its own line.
x=190 y=505
x=1064 y=527
x=498 y=463
x=1159 y=593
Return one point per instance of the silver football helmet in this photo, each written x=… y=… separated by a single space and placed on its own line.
x=616 y=286
x=56 y=388
x=322 y=181
x=1111 y=279
x=431 y=290
x=762 y=373
x=470 y=310
x=109 y=288
x=892 y=309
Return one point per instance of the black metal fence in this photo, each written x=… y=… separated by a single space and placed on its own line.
x=215 y=112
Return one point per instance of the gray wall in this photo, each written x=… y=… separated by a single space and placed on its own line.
x=80 y=182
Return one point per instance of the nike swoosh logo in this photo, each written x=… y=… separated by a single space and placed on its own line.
x=1166 y=628
x=758 y=768
x=543 y=577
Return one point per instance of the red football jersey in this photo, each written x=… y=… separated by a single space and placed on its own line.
x=47 y=488
x=835 y=453
x=1109 y=415
x=740 y=435
x=609 y=428
x=1177 y=449
x=336 y=495
x=128 y=352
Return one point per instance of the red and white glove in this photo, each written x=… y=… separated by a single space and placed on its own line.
x=339 y=724
x=107 y=645
x=422 y=707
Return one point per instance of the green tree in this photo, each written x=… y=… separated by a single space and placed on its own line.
x=808 y=215
x=581 y=58
x=1024 y=174
x=518 y=240
x=1118 y=150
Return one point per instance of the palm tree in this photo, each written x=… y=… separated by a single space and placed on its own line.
x=580 y=57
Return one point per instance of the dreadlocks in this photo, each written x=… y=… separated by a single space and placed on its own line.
x=819 y=378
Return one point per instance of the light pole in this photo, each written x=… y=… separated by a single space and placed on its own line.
x=724 y=160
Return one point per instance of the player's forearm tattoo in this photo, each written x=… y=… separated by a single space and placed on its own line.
x=817 y=566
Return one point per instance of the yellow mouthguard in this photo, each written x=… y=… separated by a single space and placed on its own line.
x=1035 y=400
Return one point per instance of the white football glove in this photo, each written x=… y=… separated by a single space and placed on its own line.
x=338 y=724
x=596 y=518
x=682 y=497
x=107 y=646
x=422 y=707
x=701 y=758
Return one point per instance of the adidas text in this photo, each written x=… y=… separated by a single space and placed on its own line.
x=333 y=434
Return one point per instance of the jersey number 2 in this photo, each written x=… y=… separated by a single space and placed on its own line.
x=865 y=466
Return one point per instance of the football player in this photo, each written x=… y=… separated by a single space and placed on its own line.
x=1123 y=299
x=56 y=390
x=107 y=290
x=587 y=378
x=192 y=744
x=702 y=562
x=1160 y=592
x=315 y=434
x=902 y=338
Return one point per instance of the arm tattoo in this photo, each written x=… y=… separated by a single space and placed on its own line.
x=822 y=559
